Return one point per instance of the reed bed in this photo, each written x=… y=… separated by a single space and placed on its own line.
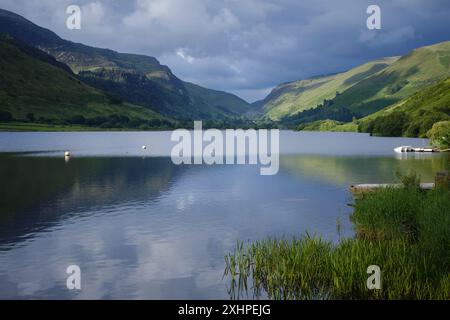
x=405 y=231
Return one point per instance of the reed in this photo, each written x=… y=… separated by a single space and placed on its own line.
x=405 y=231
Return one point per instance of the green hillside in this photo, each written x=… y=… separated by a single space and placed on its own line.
x=367 y=88
x=223 y=103
x=413 y=116
x=329 y=125
x=153 y=85
x=293 y=97
x=413 y=72
x=134 y=87
x=32 y=82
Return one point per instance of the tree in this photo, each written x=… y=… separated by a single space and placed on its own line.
x=30 y=117
x=391 y=125
x=6 y=116
x=78 y=119
x=439 y=134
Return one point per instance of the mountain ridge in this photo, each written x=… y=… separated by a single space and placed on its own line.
x=366 y=88
x=173 y=98
x=35 y=85
x=140 y=82
x=413 y=116
x=303 y=95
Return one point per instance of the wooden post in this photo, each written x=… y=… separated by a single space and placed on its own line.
x=442 y=180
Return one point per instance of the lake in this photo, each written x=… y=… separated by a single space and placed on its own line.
x=140 y=227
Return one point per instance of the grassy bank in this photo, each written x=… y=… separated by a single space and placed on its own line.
x=115 y=124
x=24 y=126
x=328 y=125
x=406 y=232
x=43 y=127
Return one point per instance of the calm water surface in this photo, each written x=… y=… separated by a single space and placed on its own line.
x=140 y=227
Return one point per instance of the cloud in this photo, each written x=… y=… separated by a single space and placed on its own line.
x=377 y=39
x=247 y=46
x=181 y=53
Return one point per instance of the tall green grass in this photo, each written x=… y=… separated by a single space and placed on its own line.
x=405 y=231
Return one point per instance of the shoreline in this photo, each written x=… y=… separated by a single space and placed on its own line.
x=400 y=231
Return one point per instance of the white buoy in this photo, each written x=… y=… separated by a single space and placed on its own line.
x=67 y=154
x=144 y=147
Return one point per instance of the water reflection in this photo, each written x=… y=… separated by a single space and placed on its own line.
x=364 y=169
x=37 y=192
x=144 y=228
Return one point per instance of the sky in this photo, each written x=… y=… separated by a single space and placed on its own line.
x=247 y=47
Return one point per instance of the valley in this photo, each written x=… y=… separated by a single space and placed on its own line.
x=48 y=83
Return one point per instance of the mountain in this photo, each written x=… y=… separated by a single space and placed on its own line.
x=223 y=102
x=413 y=116
x=33 y=82
x=292 y=97
x=364 y=89
x=134 y=78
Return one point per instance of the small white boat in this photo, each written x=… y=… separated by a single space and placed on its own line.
x=402 y=149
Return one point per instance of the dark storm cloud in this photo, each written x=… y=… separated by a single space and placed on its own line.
x=247 y=46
